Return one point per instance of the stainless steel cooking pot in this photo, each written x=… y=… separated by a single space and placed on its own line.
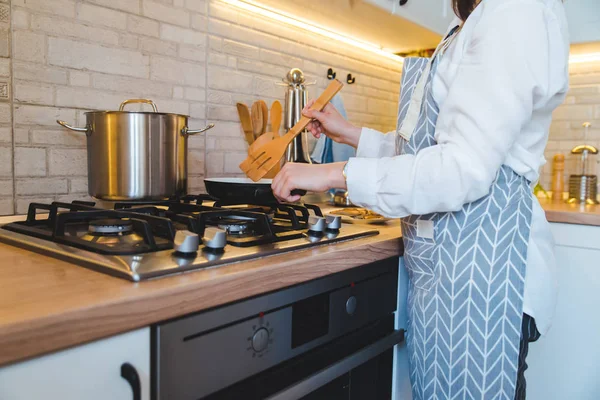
x=136 y=155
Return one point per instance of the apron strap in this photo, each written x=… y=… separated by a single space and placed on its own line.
x=416 y=101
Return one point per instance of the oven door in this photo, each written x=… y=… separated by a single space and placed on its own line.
x=357 y=366
x=366 y=374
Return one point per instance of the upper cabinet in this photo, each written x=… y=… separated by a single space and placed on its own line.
x=434 y=15
x=584 y=20
x=583 y=15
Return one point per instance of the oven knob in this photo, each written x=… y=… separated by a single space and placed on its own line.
x=215 y=238
x=186 y=242
x=334 y=222
x=260 y=340
x=316 y=224
x=351 y=305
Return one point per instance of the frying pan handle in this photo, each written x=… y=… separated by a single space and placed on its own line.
x=144 y=101
x=185 y=131
x=298 y=192
x=64 y=124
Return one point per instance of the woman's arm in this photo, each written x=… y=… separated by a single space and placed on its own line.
x=368 y=142
x=374 y=144
x=504 y=70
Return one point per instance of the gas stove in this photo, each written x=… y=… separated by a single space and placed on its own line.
x=142 y=240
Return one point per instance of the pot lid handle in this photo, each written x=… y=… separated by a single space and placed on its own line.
x=144 y=101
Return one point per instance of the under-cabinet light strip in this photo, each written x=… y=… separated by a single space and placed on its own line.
x=583 y=58
x=306 y=25
x=280 y=16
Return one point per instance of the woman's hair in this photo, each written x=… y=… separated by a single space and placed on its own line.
x=463 y=8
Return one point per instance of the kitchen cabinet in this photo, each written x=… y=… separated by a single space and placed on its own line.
x=584 y=20
x=564 y=364
x=91 y=372
x=434 y=15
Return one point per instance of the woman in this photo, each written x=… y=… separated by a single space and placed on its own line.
x=459 y=171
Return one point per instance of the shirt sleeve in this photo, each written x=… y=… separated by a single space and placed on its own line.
x=375 y=144
x=502 y=72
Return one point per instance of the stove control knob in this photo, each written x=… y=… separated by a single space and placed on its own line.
x=334 y=222
x=260 y=340
x=351 y=305
x=215 y=238
x=316 y=224
x=186 y=242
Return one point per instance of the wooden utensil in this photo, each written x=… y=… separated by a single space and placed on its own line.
x=265 y=115
x=246 y=121
x=262 y=140
x=276 y=110
x=260 y=161
x=257 y=119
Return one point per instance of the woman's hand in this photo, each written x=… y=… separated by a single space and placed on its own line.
x=331 y=123
x=315 y=178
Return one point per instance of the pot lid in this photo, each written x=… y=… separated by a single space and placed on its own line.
x=137 y=101
x=135 y=112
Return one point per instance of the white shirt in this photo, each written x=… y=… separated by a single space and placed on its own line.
x=496 y=86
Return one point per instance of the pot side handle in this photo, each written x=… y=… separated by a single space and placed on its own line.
x=64 y=124
x=185 y=131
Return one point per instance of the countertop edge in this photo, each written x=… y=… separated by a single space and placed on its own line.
x=572 y=217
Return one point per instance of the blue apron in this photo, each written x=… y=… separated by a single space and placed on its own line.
x=467 y=272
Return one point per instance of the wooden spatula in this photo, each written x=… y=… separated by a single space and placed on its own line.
x=276 y=110
x=257 y=119
x=260 y=161
x=264 y=139
x=244 y=114
x=265 y=115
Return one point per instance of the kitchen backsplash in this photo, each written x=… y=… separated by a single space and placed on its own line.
x=60 y=58
x=581 y=105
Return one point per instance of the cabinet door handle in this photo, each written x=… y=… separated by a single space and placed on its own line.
x=129 y=373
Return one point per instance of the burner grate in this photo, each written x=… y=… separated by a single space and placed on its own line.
x=156 y=222
x=68 y=227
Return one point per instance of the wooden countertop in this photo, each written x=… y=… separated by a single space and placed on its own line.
x=47 y=304
x=571 y=213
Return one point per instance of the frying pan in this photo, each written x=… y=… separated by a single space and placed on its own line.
x=243 y=190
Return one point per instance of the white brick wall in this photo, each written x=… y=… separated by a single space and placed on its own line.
x=196 y=57
x=581 y=105
x=73 y=56
x=6 y=132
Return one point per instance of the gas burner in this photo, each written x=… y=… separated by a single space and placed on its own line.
x=107 y=227
x=234 y=225
x=130 y=240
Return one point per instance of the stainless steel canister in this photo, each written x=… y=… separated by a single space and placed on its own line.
x=136 y=155
x=296 y=97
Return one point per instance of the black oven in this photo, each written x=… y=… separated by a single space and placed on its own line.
x=332 y=338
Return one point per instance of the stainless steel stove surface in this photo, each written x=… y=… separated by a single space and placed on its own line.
x=138 y=241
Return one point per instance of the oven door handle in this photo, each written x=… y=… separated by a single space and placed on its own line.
x=338 y=369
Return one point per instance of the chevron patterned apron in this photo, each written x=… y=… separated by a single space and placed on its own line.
x=466 y=268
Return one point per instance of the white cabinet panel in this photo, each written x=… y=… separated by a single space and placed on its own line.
x=435 y=15
x=401 y=384
x=584 y=20
x=564 y=364
x=91 y=371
